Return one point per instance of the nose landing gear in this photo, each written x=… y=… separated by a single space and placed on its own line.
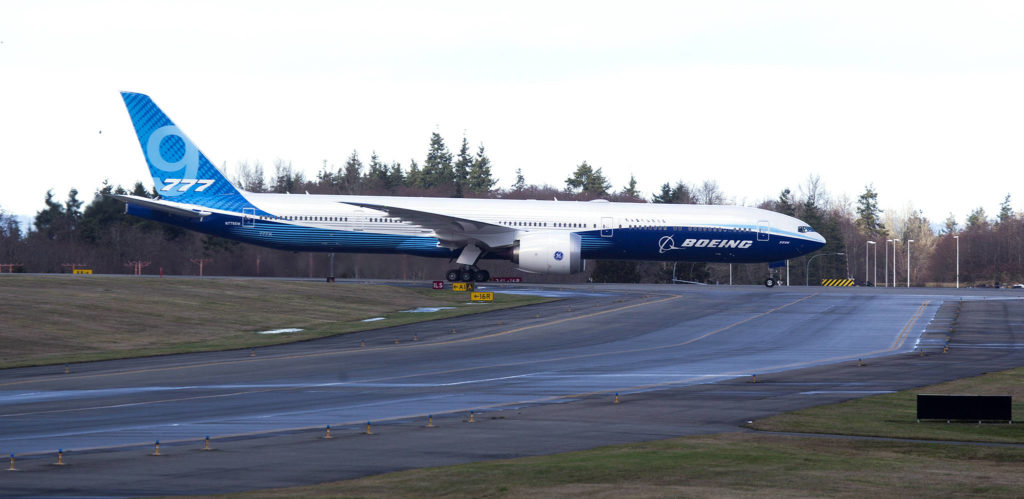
x=468 y=273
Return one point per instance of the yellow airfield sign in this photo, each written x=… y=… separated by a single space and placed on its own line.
x=481 y=296
x=462 y=286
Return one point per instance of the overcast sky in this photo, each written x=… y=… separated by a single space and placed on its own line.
x=922 y=99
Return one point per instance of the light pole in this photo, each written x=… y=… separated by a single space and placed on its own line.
x=887 y=241
x=807 y=271
x=894 y=240
x=957 y=261
x=874 y=276
x=908 y=261
x=867 y=262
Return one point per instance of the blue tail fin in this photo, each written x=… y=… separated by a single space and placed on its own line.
x=180 y=171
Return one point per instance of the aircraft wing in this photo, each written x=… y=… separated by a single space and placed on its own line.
x=180 y=209
x=454 y=231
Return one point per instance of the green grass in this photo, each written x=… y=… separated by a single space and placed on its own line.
x=737 y=464
x=895 y=415
x=58 y=319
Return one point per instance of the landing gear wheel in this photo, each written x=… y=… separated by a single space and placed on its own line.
x=467 y=275
x=769 y=282
x=483 y=276
x=452 y=275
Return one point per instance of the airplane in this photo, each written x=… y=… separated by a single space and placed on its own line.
x=546 y=237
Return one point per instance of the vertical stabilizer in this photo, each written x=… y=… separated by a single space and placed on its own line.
x=179 y=169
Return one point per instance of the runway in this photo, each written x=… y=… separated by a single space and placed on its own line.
x=639 y=342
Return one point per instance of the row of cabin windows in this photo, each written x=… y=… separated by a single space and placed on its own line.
x=564 y=225
x=692 y=229
x=309 y=218
x=304 y=218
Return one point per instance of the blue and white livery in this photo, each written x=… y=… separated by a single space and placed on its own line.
x=538 y=236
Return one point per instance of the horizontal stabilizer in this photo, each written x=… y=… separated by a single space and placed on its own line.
x=180 y=209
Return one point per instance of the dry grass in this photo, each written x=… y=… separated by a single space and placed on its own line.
x=734 y=465
x=70 y=318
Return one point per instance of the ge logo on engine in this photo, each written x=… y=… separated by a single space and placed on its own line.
x=559 y=256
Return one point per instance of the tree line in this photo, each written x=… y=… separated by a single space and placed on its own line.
x=98 y=235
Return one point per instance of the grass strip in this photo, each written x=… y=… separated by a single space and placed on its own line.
x=56 y=319
x=735 y=464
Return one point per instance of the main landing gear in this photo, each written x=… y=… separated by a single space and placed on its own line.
x=468 y=273
x=770 y=282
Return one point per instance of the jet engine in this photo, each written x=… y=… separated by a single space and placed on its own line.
x=548 y=252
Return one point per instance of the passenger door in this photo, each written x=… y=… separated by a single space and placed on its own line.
x=607 y=230
x=762 y=230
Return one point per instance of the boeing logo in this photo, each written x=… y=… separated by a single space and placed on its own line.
x=169 y=141
x=667 y=243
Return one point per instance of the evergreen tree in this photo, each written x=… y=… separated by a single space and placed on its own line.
x=328 y=179
x=48 y=221
x=414 y=178
x=665 y=196
x=977 y=220
x=1005 y=211
x=869 y=215
x=520 y=184
x=395 y=176
x=378 y=176
x=680 y=194
x=73 y=207
x=588 y=180
x=139 y=189
x=480 y=180
x=352 y=174
x=785 y=204
x=463 y=163
x=103 y=213
x=630 y=189
x=59 y=222
x=437 y=169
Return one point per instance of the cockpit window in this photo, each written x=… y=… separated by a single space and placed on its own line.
x=805 y=228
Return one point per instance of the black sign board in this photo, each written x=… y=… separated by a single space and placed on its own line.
x=965 y=407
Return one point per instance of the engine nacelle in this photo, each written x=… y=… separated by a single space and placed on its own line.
x=548 y=252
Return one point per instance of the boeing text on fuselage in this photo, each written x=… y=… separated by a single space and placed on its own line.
x=667 y=243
